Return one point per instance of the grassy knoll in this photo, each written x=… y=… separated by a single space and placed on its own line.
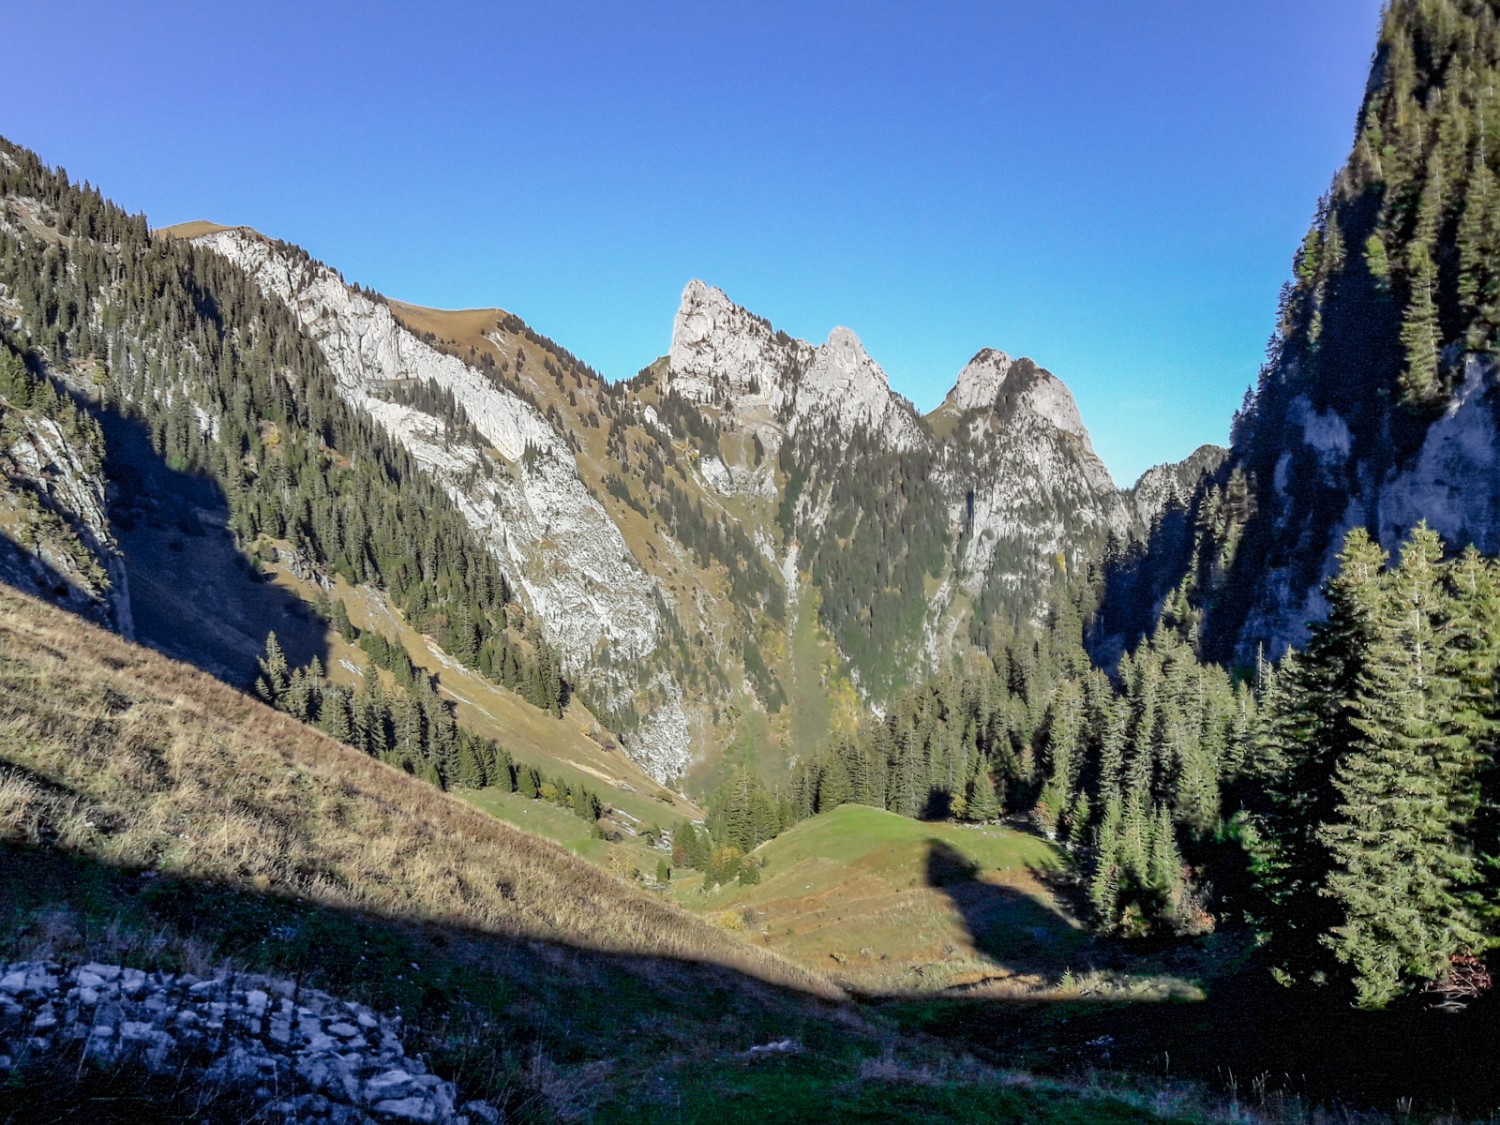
x=888 y=902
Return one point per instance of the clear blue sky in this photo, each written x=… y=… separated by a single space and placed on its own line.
x=1114 y=189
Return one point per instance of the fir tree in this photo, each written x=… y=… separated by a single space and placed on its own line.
x=1308 y=728
x=274 y=675
x=1400 y=870
x=982 y=804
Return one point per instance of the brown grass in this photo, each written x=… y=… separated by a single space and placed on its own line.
x=195 y=228
x=141 y=762
x=467 y=328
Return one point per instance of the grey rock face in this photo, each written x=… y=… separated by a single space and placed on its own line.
x=67 y=552
x=165 y=1022
x=1025 y=491
x=558 y=544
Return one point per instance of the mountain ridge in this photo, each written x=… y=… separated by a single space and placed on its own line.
x=721 y=502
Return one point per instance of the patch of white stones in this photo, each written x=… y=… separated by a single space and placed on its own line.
x=308 y=1056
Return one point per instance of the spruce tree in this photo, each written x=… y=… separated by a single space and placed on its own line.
x=1400 y=868
x=834 y=788
x=1104 y=886
x=275 y=676
x=983 y=803
x=1419 y=333
x=1307 y=728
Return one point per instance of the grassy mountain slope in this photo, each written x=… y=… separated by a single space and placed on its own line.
x=172 y=490
x=149 y=764
x=887 y=901
x=151 y=814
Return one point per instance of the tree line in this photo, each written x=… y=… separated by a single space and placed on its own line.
x=412 y=728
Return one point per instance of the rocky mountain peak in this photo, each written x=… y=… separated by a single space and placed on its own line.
x=1173 y=483
x=980 y=381
x=844 y=383
x=721 y=351
x=992 y=381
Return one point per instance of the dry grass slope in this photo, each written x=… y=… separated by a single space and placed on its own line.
x=114 y=752
x=195 y=228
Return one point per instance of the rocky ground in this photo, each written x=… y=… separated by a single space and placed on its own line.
x=305 y=1055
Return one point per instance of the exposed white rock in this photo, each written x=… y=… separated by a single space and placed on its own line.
x=770 y=384
x=979 y=383
x=41 y=466
x=720 y=351
x=1035 y=487
x=259 y=1036
x=993 y=380
x=845 y=386
x=1027 y=487
x=1455 y=483
x=1172 y=484
x=560 y=547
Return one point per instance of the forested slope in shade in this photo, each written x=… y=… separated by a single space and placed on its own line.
x=150 y=814
x=226 y=383
x=1377 y=404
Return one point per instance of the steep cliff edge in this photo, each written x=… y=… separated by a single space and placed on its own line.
x=1378 y=404
x=517 y=486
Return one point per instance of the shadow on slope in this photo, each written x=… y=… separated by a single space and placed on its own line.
x=487 y=1008
x=160 y=818
x=193 y=594
x=1007 y=924
x=27 y=571
x=1249 y=1038
x=1249 y=1032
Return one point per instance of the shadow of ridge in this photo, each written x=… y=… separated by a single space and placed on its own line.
x=1246 y=1032
x=31 y=574
x=477 y=1003
x=194 y=594
x=1006 y=925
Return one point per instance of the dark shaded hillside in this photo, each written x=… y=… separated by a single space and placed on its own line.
x=194 y=594
x=227 y=385
x=1376 y=406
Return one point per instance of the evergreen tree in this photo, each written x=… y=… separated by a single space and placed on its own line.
x=1308 y=728
x=1400 y=869
x=983 y=804
x=834 y=788
x=275 y=677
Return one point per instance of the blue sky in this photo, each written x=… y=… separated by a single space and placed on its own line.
x=1113 y=189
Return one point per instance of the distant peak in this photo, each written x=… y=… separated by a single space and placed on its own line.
x=698 y=292
x=992 y=379
x=705 y=312
x=843 y=342
x=980 y=381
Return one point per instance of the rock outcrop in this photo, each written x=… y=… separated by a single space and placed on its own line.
x=767 y=382
x=1028 y=492
x=1173 y=484
x=1006 y=458
x=304 y=1055
x=55 y=538
x=561 y=549
x=1377 y=407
